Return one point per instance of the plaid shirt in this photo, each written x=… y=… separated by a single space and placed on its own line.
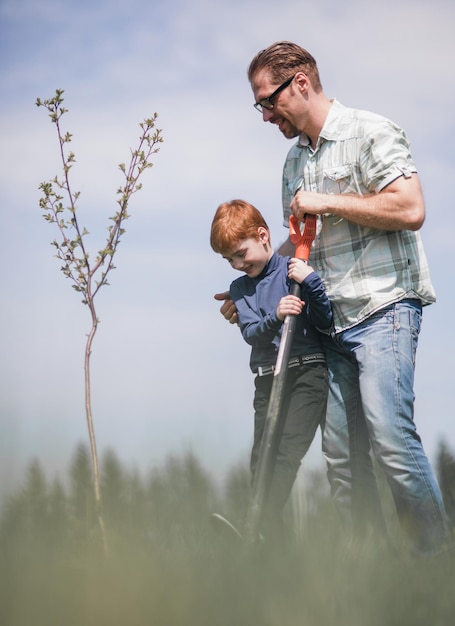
x=364 y=269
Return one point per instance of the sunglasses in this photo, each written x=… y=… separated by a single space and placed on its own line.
x=266 y=103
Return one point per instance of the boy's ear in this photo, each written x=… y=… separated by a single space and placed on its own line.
x=263 y=233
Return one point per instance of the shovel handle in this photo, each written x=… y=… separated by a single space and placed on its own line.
x=302 y=239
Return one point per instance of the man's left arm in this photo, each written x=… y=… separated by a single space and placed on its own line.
x=399 y=206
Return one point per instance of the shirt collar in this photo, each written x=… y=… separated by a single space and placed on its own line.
x=329 y=131
x=270 y=267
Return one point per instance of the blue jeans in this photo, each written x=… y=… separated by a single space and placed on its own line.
x=371 y=400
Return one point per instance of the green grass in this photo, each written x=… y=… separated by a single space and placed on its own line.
x=168 y=567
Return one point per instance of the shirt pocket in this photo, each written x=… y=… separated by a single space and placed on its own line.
x=340 y=179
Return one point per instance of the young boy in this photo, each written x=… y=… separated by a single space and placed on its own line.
x=240 y=234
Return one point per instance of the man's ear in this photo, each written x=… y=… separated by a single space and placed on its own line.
x=302 y=81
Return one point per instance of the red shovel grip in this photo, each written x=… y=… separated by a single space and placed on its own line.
x=302 y=239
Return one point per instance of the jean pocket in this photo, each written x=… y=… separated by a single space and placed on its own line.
x=415 y=322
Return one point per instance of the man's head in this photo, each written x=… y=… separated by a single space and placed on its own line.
x=282 y=60
x=288 y=91
x=241 y=235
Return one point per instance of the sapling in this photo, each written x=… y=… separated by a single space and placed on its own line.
x=87 y=275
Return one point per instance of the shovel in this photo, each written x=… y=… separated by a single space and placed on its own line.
x=263 y=471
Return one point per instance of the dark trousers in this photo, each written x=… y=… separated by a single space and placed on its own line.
x=303 y=410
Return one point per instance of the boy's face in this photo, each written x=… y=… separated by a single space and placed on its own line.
x=251 y=255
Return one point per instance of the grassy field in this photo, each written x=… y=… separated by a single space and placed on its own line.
x=167 y=565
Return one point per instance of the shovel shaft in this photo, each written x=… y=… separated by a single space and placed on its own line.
x=262 y=474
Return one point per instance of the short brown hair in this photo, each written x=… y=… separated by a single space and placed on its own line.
x=235 y=221
x=283 y=59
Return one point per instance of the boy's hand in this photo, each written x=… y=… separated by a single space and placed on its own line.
x=289 y=305
x=299 y=270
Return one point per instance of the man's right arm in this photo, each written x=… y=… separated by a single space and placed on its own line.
x=228 y=309
x=287 y=248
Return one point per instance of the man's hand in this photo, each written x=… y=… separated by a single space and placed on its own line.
x=309 y=202
x=228 y=309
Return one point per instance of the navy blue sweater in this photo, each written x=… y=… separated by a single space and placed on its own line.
x=257 y=299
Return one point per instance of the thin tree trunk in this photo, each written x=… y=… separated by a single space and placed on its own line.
x=91 y=430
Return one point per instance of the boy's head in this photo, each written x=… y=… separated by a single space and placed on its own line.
x=241 y=235
x=235 y=221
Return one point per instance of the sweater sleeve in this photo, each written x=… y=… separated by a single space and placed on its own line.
x=317 y=302
x=255 y=327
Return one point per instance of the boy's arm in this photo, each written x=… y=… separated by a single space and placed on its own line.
x=317 y=302
x=254 y=326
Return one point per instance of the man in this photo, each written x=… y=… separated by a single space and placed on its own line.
x=353 y=169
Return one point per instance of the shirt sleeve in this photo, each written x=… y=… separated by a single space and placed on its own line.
x=385 y=155
x=288 y=182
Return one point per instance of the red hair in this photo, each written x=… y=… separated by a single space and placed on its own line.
x=235 y=221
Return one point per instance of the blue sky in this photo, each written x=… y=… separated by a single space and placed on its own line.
x=168 y=373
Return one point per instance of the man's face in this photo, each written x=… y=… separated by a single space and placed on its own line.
x=281 y=114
